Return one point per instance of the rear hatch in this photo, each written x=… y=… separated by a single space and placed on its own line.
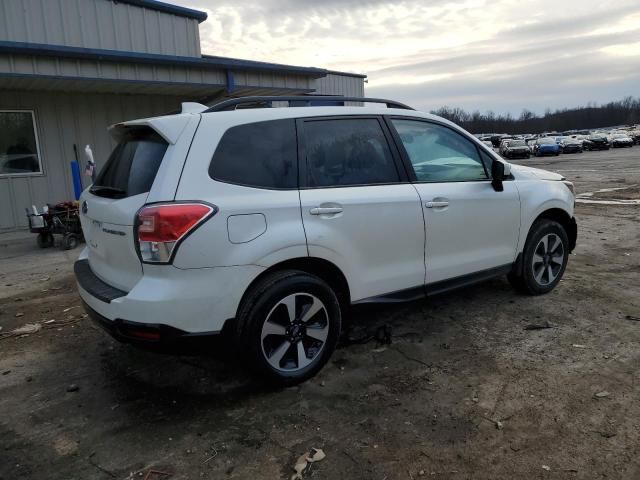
x=109 y=207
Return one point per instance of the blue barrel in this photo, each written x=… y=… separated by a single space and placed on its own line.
x=75 y=177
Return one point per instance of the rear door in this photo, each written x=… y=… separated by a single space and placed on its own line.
x=109 y=206
x=358 y=209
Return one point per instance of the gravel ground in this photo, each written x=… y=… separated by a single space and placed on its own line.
x=464 y=390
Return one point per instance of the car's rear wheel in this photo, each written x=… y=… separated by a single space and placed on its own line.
x=544 y=258
x=289 y=324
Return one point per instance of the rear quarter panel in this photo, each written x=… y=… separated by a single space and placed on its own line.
x=211 y=245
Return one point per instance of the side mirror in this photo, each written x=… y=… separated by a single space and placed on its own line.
x=497 y=175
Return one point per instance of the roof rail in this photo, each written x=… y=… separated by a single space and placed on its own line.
x=297 y=101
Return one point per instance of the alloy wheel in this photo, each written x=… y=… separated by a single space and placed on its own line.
x=548 y=258
x=294 y=332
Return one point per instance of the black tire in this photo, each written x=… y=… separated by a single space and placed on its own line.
x=69 y=241
x=524 y=280
x=260 y=304
x=44 y=240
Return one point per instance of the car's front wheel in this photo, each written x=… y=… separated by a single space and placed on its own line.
x=289 y=324
x=544 y=258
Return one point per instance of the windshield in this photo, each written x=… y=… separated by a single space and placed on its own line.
x=517 y=143
x=546 y=141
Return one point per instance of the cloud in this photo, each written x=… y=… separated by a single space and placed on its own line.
x=502 y=55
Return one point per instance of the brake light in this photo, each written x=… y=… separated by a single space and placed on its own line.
x=161 y=227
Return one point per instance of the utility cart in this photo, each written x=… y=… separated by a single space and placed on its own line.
x=60 y=219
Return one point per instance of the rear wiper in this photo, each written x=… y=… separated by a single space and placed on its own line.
x=109 y=191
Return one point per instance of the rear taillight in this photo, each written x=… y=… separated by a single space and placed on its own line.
x=161 y=227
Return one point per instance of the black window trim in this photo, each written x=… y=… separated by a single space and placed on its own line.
x=258 y=187
x=407 y=161
x=403 y=174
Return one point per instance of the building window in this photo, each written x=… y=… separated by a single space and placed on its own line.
x=19 y=151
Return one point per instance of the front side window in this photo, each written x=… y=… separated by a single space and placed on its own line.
x=261 y=154
x=438 y=153
x=351 y=151
x=19 y=153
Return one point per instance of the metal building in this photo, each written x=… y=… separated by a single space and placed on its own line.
x=71 y=68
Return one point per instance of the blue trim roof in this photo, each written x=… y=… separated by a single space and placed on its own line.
x=206 y=61
x=190 y=85
x=167 y=8
x=347 y=74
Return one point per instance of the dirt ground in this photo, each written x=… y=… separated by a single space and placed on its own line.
x=463 y=391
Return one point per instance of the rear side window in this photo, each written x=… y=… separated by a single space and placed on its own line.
x=348 y=152
x=262 y=154
x=132 y=166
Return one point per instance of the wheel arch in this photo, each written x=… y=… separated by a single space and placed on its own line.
x=323 y=269
x=563 y=218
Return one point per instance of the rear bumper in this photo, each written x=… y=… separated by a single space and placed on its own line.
x=521 y=154
x=548 y=151
x=157 y=337
x=177 y=302
x=572 y=149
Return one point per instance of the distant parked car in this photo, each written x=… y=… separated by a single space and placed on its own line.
x=488 y=144
x=531 y=142
x=516 y=149
x=620 y=140
x=570 y=145
x=546 y=146
x=504 y=143
x=595 y=142
x=496 y=139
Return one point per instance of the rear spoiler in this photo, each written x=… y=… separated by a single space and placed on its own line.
x=168 y=127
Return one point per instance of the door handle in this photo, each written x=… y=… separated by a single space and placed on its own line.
x=325 y=210
x=439 y=204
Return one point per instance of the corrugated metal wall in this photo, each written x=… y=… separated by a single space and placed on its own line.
x=335 y=84
x=98 y=24
x=63 y=119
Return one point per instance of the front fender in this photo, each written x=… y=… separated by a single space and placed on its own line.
x=536 y=200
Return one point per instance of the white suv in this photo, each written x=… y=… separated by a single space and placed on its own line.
x=265 y=224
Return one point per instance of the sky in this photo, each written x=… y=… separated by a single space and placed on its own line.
x=500 y=56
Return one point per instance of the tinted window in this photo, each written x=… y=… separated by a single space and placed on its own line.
x=262 y=154
x=133 y=164
x=348 y=152
x=18 y=146
x=439 y=154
